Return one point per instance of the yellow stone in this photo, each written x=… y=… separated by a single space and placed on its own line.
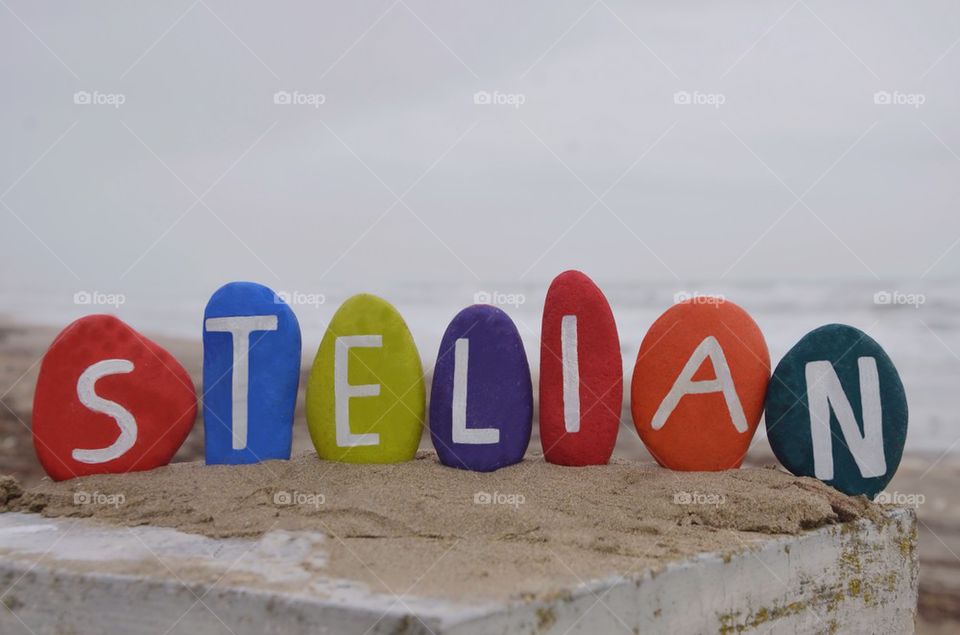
x=365 y=395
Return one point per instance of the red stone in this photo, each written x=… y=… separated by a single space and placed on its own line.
x=157 y=393
x=701 y=432
x=600 y=373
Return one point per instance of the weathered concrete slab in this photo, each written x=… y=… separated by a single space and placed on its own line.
x=76 y=576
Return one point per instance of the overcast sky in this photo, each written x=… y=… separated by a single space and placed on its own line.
x=783 y=165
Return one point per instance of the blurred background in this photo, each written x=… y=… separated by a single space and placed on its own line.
x=800 y=158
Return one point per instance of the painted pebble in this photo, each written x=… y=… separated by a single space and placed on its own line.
x=365 y=395
x=699 y=384
x=836 y=410
x=108 y=400
x=581 y=373
x=251 y=370
x=481 y=403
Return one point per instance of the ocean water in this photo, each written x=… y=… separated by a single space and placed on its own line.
x=918 y=325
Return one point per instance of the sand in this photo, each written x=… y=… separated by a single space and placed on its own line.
x=529 y=528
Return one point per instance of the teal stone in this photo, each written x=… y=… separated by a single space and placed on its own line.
x=836 y=410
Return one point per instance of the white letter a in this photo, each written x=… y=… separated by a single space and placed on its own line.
x=684 y=385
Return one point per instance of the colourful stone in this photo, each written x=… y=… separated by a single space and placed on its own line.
x=108 y=400
x=251 y=370
x=481 y=403
x=699 y=384
x=837 y=411
x=365 y=395
x=581 y=373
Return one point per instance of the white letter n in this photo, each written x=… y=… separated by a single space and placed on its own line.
x=824 y=390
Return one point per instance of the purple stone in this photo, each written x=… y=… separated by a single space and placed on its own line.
x=495 y=430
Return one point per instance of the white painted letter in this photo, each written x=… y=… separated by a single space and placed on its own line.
x=709 y=347
x=343 y=391
x=461 y=433
x=824 y=390
x=241 y=327
x=90 y=399
x=571 y=373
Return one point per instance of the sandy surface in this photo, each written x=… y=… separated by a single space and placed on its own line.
x=933 y=477
x=533 y=525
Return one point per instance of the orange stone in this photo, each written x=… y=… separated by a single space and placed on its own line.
x=699 y=385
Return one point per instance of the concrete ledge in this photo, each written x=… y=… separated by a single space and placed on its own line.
x=77 y=576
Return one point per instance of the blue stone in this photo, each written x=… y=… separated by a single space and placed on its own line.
x=482 y=362
x=251 y=370
x=836 y=410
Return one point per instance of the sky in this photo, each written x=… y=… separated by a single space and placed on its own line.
x=150 y=147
